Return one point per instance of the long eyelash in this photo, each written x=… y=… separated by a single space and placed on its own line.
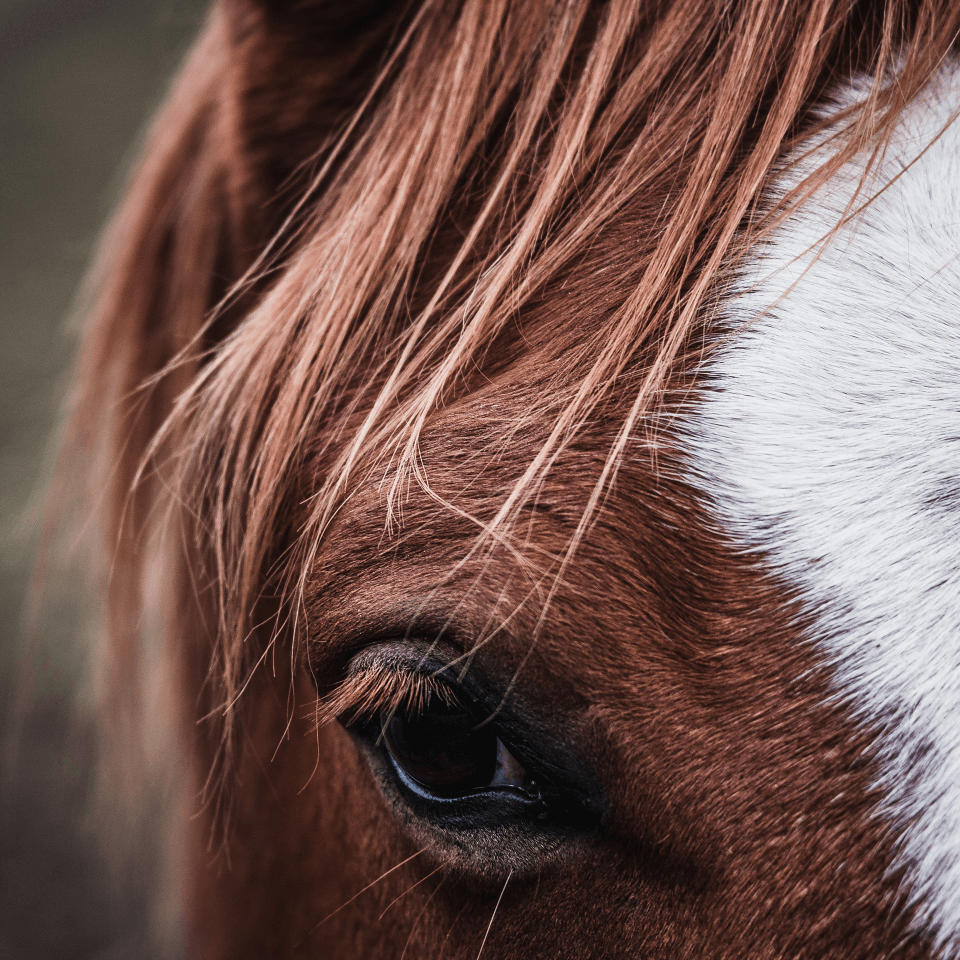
x=378 y=690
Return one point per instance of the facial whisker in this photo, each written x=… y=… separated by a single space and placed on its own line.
x=412 y=887
x=373 y=883
x=413 y=926
x=493 y=915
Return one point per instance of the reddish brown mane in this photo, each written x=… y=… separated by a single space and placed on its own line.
x=348 y=221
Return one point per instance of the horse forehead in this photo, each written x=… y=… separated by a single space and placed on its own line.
x=828 y=438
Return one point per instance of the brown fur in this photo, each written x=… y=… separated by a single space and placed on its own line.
x=393 y=323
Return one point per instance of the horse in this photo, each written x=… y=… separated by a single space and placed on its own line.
x=522 y=435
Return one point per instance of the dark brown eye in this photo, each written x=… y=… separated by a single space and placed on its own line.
x=448 y=754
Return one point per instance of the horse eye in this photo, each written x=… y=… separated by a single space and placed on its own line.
x=445 y=752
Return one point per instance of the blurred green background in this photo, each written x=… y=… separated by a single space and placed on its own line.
x=79 y=80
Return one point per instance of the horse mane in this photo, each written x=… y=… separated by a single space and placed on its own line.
x=339 y=228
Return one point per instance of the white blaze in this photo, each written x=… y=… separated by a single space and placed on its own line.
x=829 y=436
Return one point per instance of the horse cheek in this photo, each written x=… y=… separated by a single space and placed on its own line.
x=307 y=839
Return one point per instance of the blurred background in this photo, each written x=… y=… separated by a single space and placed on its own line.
x=79 y=80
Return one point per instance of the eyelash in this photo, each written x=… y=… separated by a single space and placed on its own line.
x=378 y=690
x=438 y=748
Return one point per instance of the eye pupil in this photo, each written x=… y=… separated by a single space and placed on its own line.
x=442 y=749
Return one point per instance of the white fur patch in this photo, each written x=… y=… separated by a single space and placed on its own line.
x=829 y=438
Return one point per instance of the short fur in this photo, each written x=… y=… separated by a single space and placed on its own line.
x=841 y=464
x=390 y=336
